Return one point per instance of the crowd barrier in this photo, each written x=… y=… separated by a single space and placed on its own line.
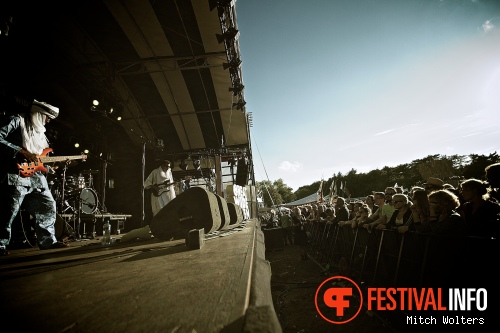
x=387 y=258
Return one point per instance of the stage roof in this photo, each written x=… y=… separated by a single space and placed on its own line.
x=166 y=67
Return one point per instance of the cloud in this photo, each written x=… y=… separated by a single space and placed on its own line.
x=385 y=132
x=289 y=166
x=488 y=26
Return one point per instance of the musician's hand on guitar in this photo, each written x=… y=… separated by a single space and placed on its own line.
x=26 y=156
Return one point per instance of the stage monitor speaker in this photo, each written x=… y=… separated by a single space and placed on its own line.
x=224 y=213
x=242 y=173
x=194 y=208
x=236 y=214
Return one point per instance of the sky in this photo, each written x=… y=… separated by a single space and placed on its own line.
x=335 y=85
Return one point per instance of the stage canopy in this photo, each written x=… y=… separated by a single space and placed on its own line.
x=169 y=69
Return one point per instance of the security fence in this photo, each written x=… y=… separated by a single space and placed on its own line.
x=387 y=258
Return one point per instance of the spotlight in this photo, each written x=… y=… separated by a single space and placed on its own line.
x=95 y=102
x=237 y=88
x=219 y=3
x=74 y=141
x=239 y=106
x=235 y=63
x=183 y=165
x=230 y=34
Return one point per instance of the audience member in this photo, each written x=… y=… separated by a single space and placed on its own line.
x=361 y=216
x=433 y=184
x=377 y=214
x=493 y=177
x=386 y=210
x=341 y=211
x=413 y=189
x=330 y=214
x=313 y=213
x=299 y=231
x=420 y=208
x=370 y=202
x=444 y=219
x=287 y=227
x=481 y=214
x=402 y=216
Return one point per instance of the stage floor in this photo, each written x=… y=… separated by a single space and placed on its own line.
x=140 y=286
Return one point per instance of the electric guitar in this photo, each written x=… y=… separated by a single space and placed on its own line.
x=28 y=169
x=159 y=189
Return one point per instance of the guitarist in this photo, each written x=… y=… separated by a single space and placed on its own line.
x=161 y=183
x=22 y=138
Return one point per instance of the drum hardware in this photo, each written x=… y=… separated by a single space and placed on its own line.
x=77 y=197
x=81 y=182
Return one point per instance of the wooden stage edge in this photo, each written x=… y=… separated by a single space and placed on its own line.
x=142 y=286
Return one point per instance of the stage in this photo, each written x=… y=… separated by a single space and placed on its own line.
x=142 y=286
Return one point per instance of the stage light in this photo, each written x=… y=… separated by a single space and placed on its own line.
x=235 y=63
x=230 y=34
x=119 y=118
x=95 y=102
x=239 y=106
x=219 y=3
x=237 y=88
x=74 y=141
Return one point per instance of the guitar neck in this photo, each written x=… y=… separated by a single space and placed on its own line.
x=49 y=159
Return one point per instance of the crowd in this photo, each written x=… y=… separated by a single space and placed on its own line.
x=470 y=209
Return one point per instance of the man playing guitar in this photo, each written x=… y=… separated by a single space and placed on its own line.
x=161 y=183
x=22 y=141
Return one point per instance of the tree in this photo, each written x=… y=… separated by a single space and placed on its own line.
x=307 y=190
x=285 y=191
x=477 y=164
x=449 y=168
x=270 y=194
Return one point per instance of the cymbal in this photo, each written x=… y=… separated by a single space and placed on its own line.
x=88 y=172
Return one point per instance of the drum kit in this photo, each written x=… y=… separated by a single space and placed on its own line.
x=74 y=194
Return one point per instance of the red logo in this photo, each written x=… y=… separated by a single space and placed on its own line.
x=338 y=300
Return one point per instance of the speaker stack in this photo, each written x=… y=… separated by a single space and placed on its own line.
x=195 y=208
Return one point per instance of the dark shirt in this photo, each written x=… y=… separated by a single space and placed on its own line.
x=484 y=222
x=453 y=225
x=392 y=221
x=342 y=214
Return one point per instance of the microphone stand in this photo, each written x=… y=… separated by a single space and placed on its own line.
x=79 y=220
x=142 y=186
x=61 y=207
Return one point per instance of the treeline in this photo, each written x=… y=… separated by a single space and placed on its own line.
x=451 y=169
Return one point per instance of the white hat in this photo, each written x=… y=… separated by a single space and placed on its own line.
x=45 y=108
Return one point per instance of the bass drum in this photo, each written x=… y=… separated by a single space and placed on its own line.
x=89 y=201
